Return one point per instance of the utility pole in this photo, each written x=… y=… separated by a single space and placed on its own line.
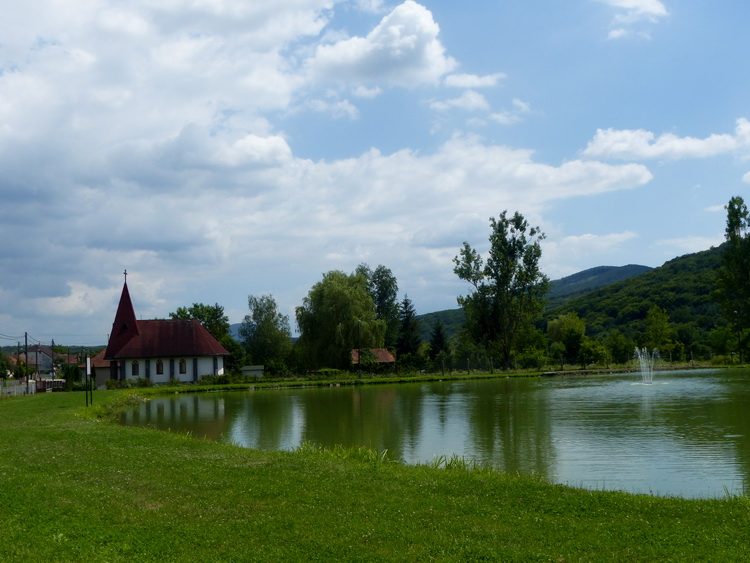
x=26 y=355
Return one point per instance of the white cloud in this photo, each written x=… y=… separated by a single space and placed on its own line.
x=402 y=50
x=691 y=244
x=473 y=80
x=638 y=144
x=715 y=209
x=559 y=254
x=636 y=10
x=339 y=109
x=508 y=117
x=366 y=93
x=746 y=178
x=631 y=13
x=469 y=100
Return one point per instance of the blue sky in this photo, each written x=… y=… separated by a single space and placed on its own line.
x=221 y=148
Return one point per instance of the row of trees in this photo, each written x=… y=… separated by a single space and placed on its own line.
x=503 y=314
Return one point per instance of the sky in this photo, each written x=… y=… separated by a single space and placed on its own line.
x=217 y=149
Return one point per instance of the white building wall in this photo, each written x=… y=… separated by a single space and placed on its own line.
x=205 y=367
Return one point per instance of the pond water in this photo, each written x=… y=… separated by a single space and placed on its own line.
x=687 y=434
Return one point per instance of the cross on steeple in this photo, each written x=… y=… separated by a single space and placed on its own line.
x=126 y=276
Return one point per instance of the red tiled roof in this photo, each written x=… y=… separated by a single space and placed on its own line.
x=382 y=356
x=170 y=338
x=98 y=361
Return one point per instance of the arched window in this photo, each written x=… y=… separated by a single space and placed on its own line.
x=135 y=368
x=159 y=367
x=183 y=367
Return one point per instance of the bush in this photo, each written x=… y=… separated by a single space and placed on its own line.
x=129 y=383
x=326 y=373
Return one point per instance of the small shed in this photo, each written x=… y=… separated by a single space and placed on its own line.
x=380 y=356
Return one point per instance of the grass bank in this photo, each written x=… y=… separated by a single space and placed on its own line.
x=76 y=487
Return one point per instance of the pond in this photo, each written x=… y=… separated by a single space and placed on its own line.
x=687 y=434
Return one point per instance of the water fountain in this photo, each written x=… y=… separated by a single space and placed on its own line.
x=646 y=361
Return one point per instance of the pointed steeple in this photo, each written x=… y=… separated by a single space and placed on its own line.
x=125 y=325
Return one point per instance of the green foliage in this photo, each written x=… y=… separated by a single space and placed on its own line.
x=383 y=288
x=683 y=288
x=409 y=340
x=5 y=365
x=337 y=316
x=212 y=318
x=584 y=282
x=733 y=277
x=265 y=332
x=451 y=319
x=439 y=343
x=236 y=359
x=567 y=333
x=139 y=382
x=508 y=290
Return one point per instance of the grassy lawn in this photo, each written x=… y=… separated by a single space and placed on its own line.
x=75 y=487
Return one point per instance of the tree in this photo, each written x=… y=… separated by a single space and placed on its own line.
x=658 y=330
x=5 y=365
x=409 y=341
x=212 y=318
x=509 y=289
x=733 y=277
x=265 y=333
x=438 y=340
x=337 y=316
x=592 y=352
x=568 y=332
x=383 y=288
x=619 y=346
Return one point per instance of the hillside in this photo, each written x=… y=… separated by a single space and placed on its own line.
x=561 y=291
x=683 y=287
x=575 y=285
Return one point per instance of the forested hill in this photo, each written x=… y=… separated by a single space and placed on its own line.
x=682 y=287
x=566 y=288
x=561 y=291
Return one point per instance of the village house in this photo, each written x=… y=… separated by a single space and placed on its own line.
x=158 y=350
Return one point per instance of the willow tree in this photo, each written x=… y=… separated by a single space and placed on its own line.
x=508 y=289
x=337 y=316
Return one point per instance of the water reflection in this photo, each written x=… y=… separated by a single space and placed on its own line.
x=687 y=434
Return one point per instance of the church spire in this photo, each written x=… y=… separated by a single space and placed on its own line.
x=125 y=325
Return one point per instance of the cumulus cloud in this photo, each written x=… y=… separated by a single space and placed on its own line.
x=150 y=137
x=636 y=10
x=508 y=117
x=402 y=50
x=630 y=13
x=469 y=100
x=473 y=80
x=639 y=144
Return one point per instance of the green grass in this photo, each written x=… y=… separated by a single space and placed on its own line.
x=76 y=487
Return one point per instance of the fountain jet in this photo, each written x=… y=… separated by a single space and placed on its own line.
x=646 y=361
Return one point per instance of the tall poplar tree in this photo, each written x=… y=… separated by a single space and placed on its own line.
x=733 y=278
x=383 y=288
x=265 y=332
x=508 y=289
